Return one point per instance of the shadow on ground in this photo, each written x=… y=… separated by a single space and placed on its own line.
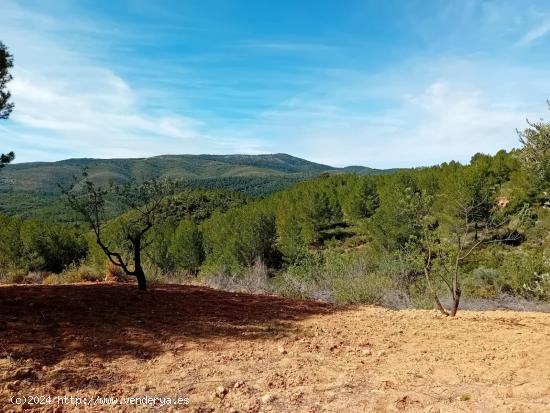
x=45 y=324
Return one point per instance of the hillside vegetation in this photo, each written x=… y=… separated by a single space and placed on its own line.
x=419 y=237
x=32 y=189
x=345 y=238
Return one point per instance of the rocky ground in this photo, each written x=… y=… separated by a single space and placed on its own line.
x=227 y=352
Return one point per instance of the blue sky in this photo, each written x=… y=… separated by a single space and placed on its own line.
x=376 y=83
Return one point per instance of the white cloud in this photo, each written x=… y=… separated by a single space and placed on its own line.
x=536 y=33
x=94 y=114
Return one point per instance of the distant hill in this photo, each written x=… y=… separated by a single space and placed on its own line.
x=28 y=187
x=45 y=176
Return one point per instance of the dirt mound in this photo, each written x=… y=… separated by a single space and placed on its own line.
x=226 y=352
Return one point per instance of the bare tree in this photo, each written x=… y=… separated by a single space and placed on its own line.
x=143 y=202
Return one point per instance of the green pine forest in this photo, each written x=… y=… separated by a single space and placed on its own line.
x=420 y=237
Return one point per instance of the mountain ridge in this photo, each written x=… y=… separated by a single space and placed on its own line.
x=46 y=176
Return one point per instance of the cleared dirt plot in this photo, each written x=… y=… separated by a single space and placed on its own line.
x=229 y=352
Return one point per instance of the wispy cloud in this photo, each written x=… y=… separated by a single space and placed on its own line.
x=75 y=105
x=288 y=46
x=541 y=30
x=442 y=109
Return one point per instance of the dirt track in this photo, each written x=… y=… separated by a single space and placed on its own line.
x=242 y=353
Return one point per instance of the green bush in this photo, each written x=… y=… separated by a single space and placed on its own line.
x=186 y=250
x=540 y=287
x=50 y=247
x=157 y=247
x=11 y=247
x=482 y=283
x=521 y=271
x=239 y=237
x=349 y=278
x=34 y=245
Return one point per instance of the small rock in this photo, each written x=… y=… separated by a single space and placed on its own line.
x=268 y=398
x=221 y=392
x=238 y=384
x=13 y=385
x=366 y=352
x=282 y=350
x=24 y=373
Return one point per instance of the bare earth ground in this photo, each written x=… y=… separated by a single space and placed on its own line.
x=231 y=352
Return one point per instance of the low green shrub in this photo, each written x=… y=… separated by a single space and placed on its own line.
x=540 y=287
x=481 y=283
x=520 y=272
x=350 y=278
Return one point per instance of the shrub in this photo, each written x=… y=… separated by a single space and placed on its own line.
x=113 y=273
x=540 y=287
x=343 y=278
x=74 y=274
x=521 y=271
x=186 y=251
x=482 y=283
x=254 y=279
x=34 y=277
x=367 y=288
x=355 y=279
x=50 y=247
x=15 y=276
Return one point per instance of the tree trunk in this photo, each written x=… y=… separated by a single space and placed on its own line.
x=138 y=270
x=142 y=282
x=438 y=304
x=456 y=302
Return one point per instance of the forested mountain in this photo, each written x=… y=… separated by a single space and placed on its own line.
x=33 y=188
x=45 y=176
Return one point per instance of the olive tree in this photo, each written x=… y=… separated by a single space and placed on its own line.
x=143 y=203
x=452 y=234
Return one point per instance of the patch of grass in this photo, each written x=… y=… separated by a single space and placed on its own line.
x=75 y=274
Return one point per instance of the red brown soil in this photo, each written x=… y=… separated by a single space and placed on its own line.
x=230 y=352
